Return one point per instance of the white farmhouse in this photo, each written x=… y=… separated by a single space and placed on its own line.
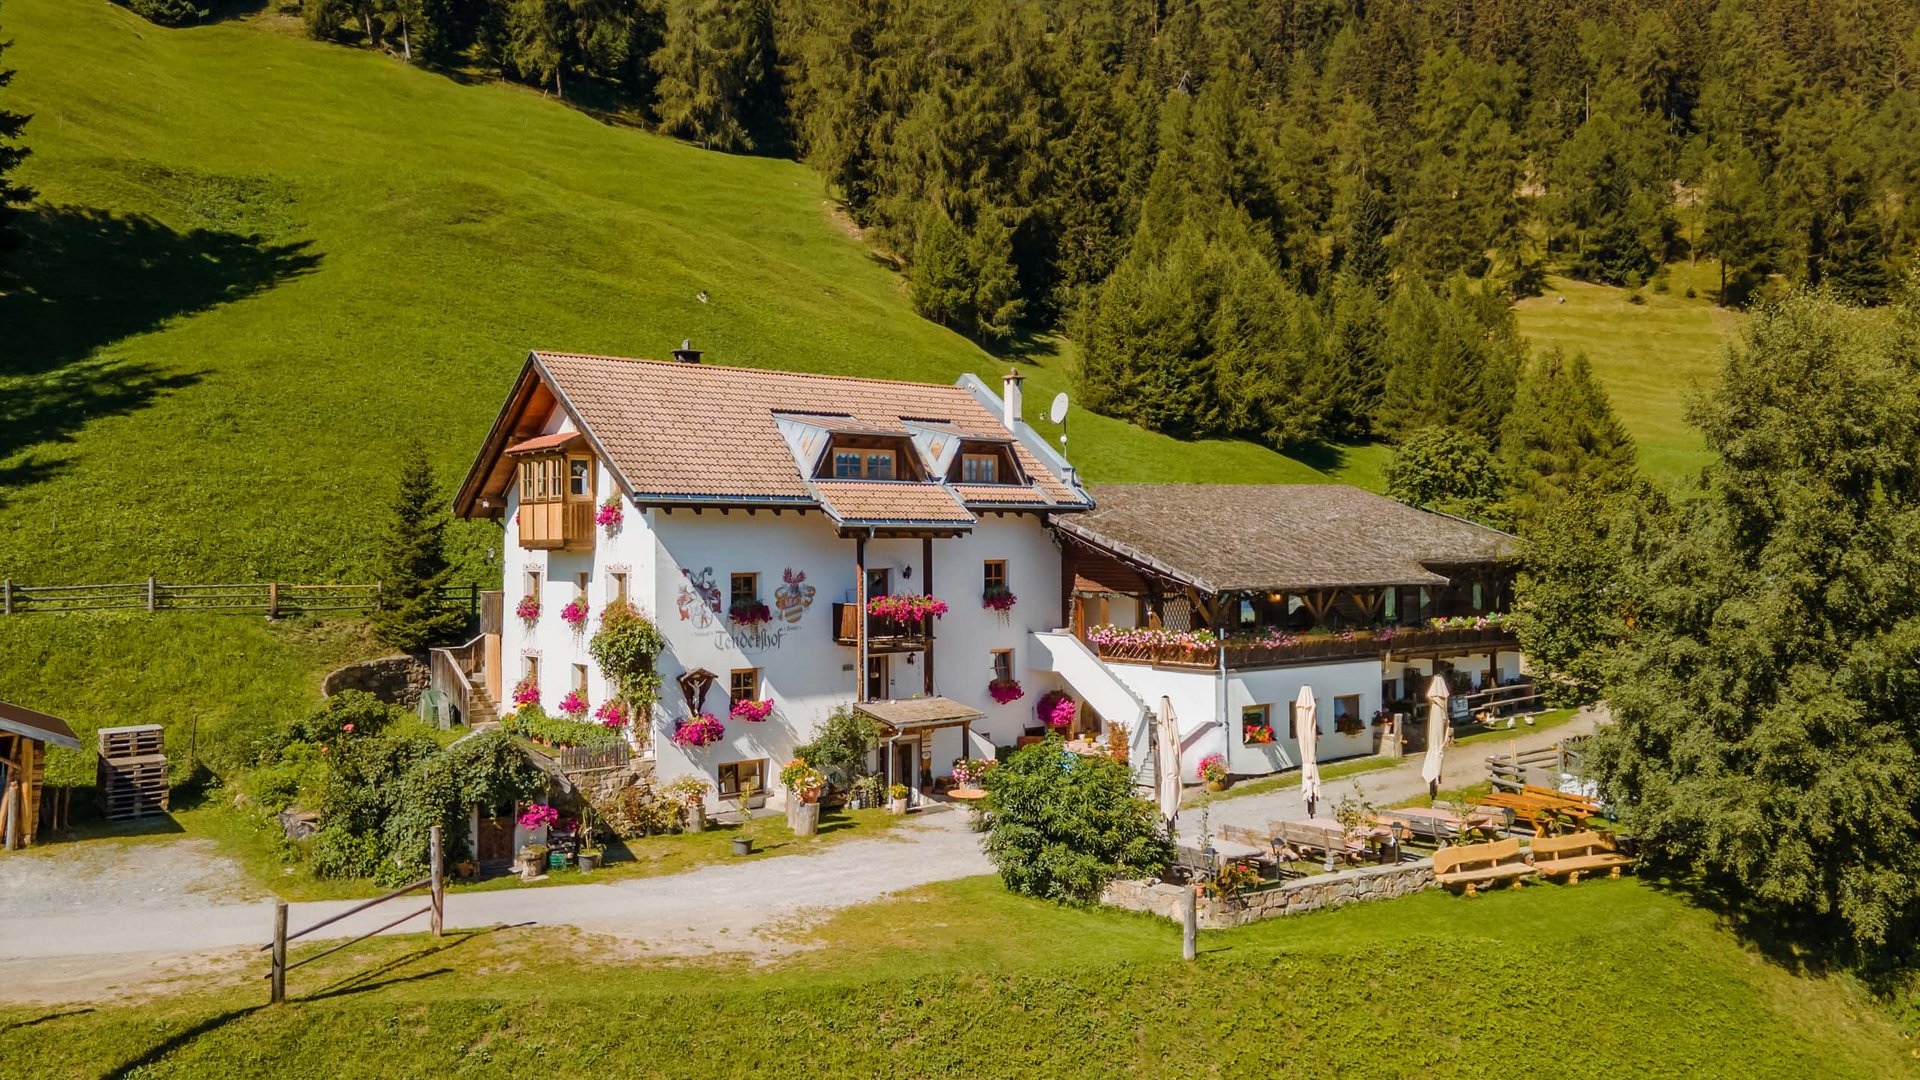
x=761 y=512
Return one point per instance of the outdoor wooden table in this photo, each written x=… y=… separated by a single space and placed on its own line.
x=1086 y=748
x=967 y=794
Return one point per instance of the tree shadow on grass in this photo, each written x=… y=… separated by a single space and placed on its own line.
x=88 y=278
x=161 y=1049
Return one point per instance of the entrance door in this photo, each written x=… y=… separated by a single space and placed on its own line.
x=906 y=766
x=494 y=845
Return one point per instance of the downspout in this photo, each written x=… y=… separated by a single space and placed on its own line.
x=1220 y=701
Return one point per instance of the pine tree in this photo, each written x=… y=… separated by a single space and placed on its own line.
x=413 y=562
x=1849 y=253
x=1739 y=222
x=537 y=33
x=1364 y=259
x=942 y=289
x=1459 y=197
x=1446 y=469
x=1561 y=438
x=12 y=153
x=1451 y=359
x=1766 y=712
x=717 y=71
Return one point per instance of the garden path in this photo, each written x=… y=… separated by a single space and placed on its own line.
x=91 y=944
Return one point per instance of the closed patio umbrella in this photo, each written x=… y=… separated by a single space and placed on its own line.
x=1169 y=747
x=1307 y=731
x=1439 y=706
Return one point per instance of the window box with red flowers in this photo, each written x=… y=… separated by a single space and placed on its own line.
x=701 y=729
x=526 y=692
x=1256 y=734
x=1005 y=691
x=610 y=515
x=574 y=705
x=906 y=607
x=528 y=609
x=999 y=598
x=612 y=713
x=575 y=613
x=750 y=613
x=751 y=709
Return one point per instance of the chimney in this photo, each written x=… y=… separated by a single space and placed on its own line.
x=686 y=353
x=1010 y=397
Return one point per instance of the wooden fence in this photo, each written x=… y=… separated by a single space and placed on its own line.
x=271 y=598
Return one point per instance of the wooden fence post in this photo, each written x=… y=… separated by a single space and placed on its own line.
x=153 y=598
x=6 y=596
x=437 y=891
x=273 y=599
x=279 y=992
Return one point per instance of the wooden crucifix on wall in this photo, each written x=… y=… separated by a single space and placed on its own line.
x=694 y=686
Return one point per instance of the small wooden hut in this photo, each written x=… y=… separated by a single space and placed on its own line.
x=24 y=738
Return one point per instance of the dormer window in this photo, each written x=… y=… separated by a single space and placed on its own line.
x=979 y=468
x=858 y=464
x=981 y=462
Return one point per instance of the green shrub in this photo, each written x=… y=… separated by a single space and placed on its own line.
x=533 y=723
x=625 y=647
x=840 y=749
x=339 y=852
x=1061 y=826
x=167 y=12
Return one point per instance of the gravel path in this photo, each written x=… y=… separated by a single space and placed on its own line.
x=68 y=933
x=1462 y=766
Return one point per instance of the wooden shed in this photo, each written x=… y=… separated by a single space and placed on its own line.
x=24 y=738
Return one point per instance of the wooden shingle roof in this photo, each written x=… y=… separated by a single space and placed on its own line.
x=1281 y=537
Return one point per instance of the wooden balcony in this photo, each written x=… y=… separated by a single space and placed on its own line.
x=1402 y=643
x=883 y=635
x=556 y=526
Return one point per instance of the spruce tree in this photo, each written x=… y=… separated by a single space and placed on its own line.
x=1850 y=255
x=1364 y=258
x=1561 y=437
x=1448 y=470
x=716 y=69
x=1766 y=711
x=413 y=562
x=12 y=153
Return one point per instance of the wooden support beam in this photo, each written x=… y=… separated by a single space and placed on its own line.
x=860 y=617
x=926 y=586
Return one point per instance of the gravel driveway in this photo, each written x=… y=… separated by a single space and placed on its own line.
x=92 y=922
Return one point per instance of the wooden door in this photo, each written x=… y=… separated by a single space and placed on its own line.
x=494 y=845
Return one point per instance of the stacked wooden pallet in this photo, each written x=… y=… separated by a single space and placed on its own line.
x=132 y=774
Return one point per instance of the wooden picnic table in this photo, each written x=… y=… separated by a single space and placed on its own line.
x=1435 y=823
x=967 y=794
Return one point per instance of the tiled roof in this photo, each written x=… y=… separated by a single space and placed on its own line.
x=543 y=442
x=1288 y=537
x=998 y=493
x=860 y=502
x=705 y=431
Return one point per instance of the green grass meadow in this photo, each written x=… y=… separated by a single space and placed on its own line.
x=1604 y=979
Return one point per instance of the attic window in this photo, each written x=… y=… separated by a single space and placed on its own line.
x=979 y=468
x=862 y=464
x=983 y=463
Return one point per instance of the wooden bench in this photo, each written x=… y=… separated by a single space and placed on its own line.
x=1576 y=854
x=1313 y=836
x=1469 y=866
x=1541 y=814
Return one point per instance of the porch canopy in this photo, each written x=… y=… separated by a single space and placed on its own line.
x=38 y=726
x=909 y=715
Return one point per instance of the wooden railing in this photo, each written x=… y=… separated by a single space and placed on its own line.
x=451 y=673
x=548 y=525
x=579 y=758
x=435 y=884
x=880 y=631
x=1310 y=648
x=269 y=598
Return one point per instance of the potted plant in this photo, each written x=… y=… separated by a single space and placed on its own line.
x=753 y=710
x=906 y=607
x=610 y=515
x=526 y=692
x=701 y=729
x=743 y=845
x=533 y=861
x=1257 y=734
x=528 y=610
x=611 y=713
x=575 y=613
x=574 y=705
x=897 y=798
x=1213 y=770
x=999 y=599
x=749 y=613
x=1233 y=879
x=1055 y=709
x=692 y=791
x=1005 y=691
x=866 y=792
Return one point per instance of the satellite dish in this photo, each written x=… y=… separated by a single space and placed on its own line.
x=1057 y=412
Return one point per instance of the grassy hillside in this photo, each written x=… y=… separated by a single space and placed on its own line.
x=261 y=262
x=964 y=980
x=1651 y=357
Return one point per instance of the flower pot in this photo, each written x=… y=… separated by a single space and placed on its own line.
x=806 y=819
x=743 y=845
x=897 y=806
x=588 y=862
x=1216 y=785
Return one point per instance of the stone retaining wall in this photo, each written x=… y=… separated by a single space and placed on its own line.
x=395 y=679
x=1291 y=898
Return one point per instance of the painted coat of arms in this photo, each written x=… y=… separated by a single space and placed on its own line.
x=699 y=598
x=792 y=599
